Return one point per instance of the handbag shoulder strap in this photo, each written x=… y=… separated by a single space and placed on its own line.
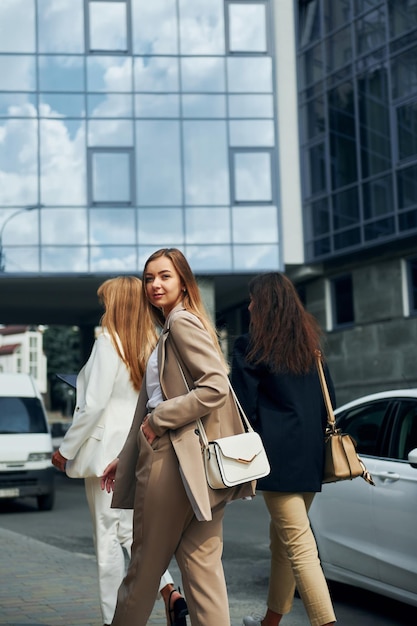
x=331 y=420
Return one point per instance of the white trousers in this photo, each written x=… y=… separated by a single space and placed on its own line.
x=112 y=534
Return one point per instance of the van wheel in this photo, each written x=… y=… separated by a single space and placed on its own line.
x=46 y=502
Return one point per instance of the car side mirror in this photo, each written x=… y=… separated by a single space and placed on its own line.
x=412 y=458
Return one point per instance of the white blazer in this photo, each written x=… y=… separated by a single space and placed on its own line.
x=106 y=402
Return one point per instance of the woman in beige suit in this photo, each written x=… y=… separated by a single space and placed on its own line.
x=160 y=470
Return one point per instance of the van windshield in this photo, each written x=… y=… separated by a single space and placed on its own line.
x=21 y=415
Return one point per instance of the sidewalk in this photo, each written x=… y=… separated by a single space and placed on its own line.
x=41 y=585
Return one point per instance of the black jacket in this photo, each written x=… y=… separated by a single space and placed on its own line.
x=288 y=412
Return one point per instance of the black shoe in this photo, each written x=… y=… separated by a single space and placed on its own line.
x=178 y=611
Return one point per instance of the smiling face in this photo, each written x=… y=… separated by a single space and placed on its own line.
x=163 y=284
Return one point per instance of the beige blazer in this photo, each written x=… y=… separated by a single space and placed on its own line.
x=185 y=342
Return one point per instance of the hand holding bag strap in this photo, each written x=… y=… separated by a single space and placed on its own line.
x=331 y=420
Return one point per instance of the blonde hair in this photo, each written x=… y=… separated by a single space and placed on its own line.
x=191 y=301
x=128 y=323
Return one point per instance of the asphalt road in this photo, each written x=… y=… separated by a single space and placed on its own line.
x=246 y=554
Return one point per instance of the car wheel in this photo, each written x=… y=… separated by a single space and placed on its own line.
x=46 y=501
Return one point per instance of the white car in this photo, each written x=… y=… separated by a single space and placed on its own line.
x=367 y=536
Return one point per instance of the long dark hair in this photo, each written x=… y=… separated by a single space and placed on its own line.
x=283 y=335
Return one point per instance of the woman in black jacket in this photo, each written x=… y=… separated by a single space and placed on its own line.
x=275 y=377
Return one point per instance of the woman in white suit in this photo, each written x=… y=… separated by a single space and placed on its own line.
x=107 y=392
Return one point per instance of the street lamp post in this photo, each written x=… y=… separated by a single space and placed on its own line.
x=6 y=221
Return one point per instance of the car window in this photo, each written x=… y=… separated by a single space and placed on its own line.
x=364 y=423
x=404 y=437
x=21 y=415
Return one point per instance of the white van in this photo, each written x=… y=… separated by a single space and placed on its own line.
x=25 y=442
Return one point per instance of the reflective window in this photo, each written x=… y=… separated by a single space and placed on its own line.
x=110 y=105
x=201 y=27
x=64 y=259
x=208 y=224
x=63 y=226
x=315 y=169
x=203 y=74
x=19 y=162
x=158 y=163
x=407 y=187
x=156 y=74
x=342 y=135
x=156 y=105
x=107 y=26
x=155 y=27
x=53 y=20
x=312 y=65
x=107 y=133
x=113 y=259
x=251 y=106
x=345 y=208
x=252 y=176
x=250 y=74
x=61 y=73
x=412 y=284
x=17 y=73
x=161 y=227
x=63 y=166
x=255 y=224
x=339 y=50
x=111 y=177
x=206 y=259
x=379 y=228
x=402 y=16
x=17 y=26
x=247 y=27
x=407 y=130
x=347 y=238
x=20 y=227
x=370 y=31
x=251 y=133
x=404 y=74
x=18 y=104
x=342 y=300
x=61 y=105
x=112 y=226
x=22 y=259
x=206 y=161
x=309 y=21
x=336 y=14
x=378 y=197
x=106 y=73
x=318 y=218
x=255 y=258
x=313 y=117
x=203 y=105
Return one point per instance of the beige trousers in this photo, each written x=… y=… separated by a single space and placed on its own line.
x=164 y=526
x=294 y=558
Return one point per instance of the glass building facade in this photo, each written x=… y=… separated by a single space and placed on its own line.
x=129 y=125
x=358 y=122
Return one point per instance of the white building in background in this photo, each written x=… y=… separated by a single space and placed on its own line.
x=21 y=351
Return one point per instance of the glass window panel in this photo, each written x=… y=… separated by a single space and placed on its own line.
x=345 y=208
x=202 y=105
x=61 y=105
x=106 y=73
x=339 y=50
x=154 y=26
x=206 y=161
x=122 y=259
x=336 y=14
x=378 y=197
x=19 y=227
x=255 y=224
x=107 y=26
x=22 y=259
x=17 y=26
x=18 y=105
x=407 y=220
x=252 y=177
x=407 y=130
x=17 y=73
x=161 y=227
x=110 y=105
x=203 y=74
x=378 y=229
x=207 y=224
x=206 y=259
x=257 y=258
x=407 y=187
x=251 y=133
x=311 y=66
x=251 y=106
x=63 y=226
x=158 y=74
x=53 y=20
x=317 y=216
x=247 y=27
x=404 y=74
x=19 y=162
x=309 y=21
x=63 y=167
x=249 y=74
x=315 y=181
x=112 y=226
x=111 y=177
x=347 y=239
x=64 y=259
x=402 y=16
x=155 y=105
x=370 y=31
x=343 y=156
x=158 y=163
x=342 y=300
x=110 y=133
x=201 y=27
x=313 y=118
x=61 y=73
x=364 y=5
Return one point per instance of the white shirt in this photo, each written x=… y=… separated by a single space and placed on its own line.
x=153 y=385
